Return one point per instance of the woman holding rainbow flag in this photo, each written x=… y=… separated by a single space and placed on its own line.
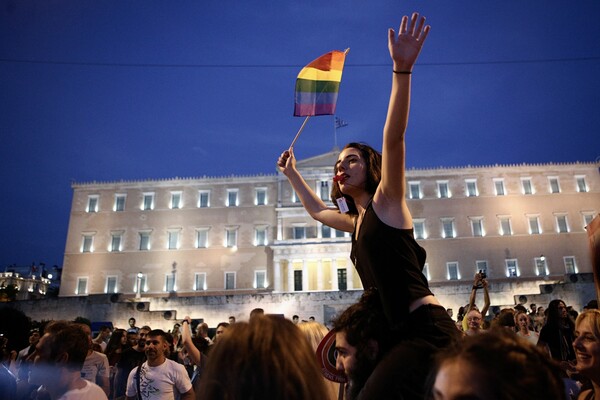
x=370 y=195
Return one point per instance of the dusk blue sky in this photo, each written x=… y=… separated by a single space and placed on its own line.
x=110 y=90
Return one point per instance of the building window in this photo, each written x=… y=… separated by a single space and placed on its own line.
x=526 y=186
x=323 y=187
x=111 y=285
x=505 y=226
x=199 y=281
x=170 y=285
x=570 y=265
x=541 y=266
x=92 y=205
x=82 y=286
x=116 y=241
x=229 y=280
x=176 y=200
x=342 y=276
x=554 y=185
x=144 y=240
x=295 y=198
x=512 y=268
x=534 y=224
x=561 y=223
x=339 y=234
x=481 y=266
x=231 y=237
x=119 y=202
x=87 y=244
x=260 y=279
x=453 y=272
x=173 y=240
x=299 y=232
x=499 y=187
x=142 y=280
x=587 y=218
x=260 y=196
x=203 y=198
x=298 y=280
x=414 y=190
x=232 y=198
x=148 y=201
x=448 y=230
x=581 y=184
x=419 y=228
x=201 y=238
x=325 y=232
x=471 y=185
x=260 y=236
x=443 y=190
x=426 y=271
x=477 y=226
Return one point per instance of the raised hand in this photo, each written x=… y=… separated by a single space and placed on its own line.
x=406 y=46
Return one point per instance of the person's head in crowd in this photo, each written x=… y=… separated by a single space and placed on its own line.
x=520 y=307
x=104 y=332
x=572 y=313
x=132 y=337
x=557 y=314
x=450 y=312
x=264 y=358
x=495 y=365
x=587 y=345
x=60 y=354
x=118 y=340
x=202 y=330
x=505 y=319
x=295 y=319
x=541 y=311
x=522 y=321
x=474 y=321
x=221 y=328
x=231 y=320
x=533 y=308
x=132 y=322
x=141 y=335
x=34 y=336
x=315 y=332
x=591 y=305
x=257 y=311
x=157 y=347
x=362 y=336
x=311 y=318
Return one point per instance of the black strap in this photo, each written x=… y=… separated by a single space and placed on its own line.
x=137 y=382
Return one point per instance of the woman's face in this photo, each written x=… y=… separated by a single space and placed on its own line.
x=587 y=350
x=123 y=340
x=350 y=170
x=523 y=321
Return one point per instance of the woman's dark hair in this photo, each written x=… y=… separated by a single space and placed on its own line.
x=553 y=316
x=114 y=343
x=372 y=160
x=521 y=369
x=364 y=321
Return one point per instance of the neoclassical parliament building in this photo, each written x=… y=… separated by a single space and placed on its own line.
x=522 y=224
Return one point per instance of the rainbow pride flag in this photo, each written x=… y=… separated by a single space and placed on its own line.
x=318 y=84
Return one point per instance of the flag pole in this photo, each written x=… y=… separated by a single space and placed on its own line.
x=299 y=131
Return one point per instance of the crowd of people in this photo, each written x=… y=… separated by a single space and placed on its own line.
x=396 y=342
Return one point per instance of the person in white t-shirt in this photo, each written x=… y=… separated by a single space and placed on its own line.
x=159 y=378
x=95 y=367
x=59 y=357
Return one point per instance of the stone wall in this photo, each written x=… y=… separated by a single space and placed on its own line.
x=163 y=312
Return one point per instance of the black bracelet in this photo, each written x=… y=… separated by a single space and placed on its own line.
x=475 y=287
x=402 y=72
x=185 y=320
